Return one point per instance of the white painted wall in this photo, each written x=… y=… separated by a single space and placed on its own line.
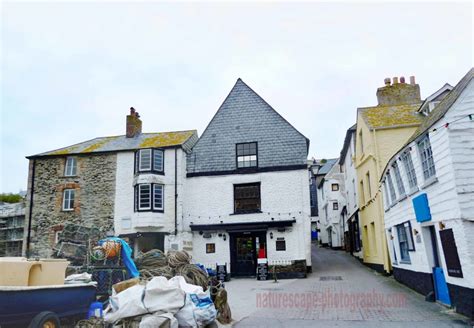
x=350 y=185
x=284 y=196
x=124 y=195
x=451 y=197
x=331 y=218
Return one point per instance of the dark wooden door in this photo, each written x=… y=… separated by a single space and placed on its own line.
x=243 y=255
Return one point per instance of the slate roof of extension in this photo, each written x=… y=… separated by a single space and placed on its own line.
x=443 y=107
x=121 y=143
x=327 y=166
x=377 y=117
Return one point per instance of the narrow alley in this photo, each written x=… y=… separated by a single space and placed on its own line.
x=341 y=292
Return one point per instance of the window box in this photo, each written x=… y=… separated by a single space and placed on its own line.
x=149 y=161
x=429 y=182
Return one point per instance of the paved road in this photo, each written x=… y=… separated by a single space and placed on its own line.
x=340 y=292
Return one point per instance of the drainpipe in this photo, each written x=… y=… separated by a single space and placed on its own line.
x=176 y=191
x=32 y=190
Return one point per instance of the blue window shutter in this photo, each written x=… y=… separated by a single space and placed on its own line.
x=422 y=208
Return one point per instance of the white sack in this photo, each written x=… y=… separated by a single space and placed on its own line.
x=125 y=304
x=163 y=295
x=157 y=320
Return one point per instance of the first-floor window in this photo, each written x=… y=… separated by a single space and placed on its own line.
x=68 y=199
x=149 y=197
x=247 y=198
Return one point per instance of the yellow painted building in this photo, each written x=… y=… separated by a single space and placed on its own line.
x=381 y=131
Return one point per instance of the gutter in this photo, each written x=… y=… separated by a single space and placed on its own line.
x=32 y=190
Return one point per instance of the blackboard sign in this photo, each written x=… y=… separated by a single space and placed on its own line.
x=221 y=271
x=262 y=271
x=450 y=253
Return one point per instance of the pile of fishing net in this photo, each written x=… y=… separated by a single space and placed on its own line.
x=155 y=263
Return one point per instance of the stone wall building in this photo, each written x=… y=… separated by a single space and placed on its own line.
x=84 y=184
x=428 y=189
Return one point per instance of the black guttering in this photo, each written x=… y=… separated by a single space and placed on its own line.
x=242 y=226
x=250 y=170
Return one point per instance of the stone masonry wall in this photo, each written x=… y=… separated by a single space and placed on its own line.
x=94 y=187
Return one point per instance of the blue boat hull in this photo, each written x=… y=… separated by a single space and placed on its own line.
x=19 y=306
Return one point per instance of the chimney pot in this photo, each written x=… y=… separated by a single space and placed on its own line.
x=412 y=80
x=134 y=124
x=395 y=80
x=402 y=79
x=386 y=81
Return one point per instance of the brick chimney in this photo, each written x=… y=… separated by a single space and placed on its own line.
x=399 y=93
x=134 y=124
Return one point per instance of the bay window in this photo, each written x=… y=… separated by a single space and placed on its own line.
x=149 y=197
x=149 y=160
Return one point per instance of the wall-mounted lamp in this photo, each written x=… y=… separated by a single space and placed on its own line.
x=441 y=225
x=415 y=232
x=224 y=237
x=271 y=235
x=201 y=232
x=391 y=237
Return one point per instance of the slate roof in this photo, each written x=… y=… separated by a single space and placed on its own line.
x=347 y=141
x=186 y=139
x=385 y=116
x=327 y=166
x=443 y=107
x=244 y=117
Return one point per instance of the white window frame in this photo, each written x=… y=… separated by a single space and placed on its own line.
x=139 y=205
x=409 y=170
x=159 y=208
x=140 y=161
x=391 y=189
x=158 y=151
x=398 y=180
x=67 y=199
x=426 y=158
x=70 y=169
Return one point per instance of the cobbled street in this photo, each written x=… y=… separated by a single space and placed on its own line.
x=341 y=292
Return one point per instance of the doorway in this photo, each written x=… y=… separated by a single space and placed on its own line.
x=244 y=248
x=439 y=280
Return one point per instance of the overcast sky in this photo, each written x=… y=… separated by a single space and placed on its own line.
x=71 y=71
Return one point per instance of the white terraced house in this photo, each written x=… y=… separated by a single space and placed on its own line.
x=428 y=188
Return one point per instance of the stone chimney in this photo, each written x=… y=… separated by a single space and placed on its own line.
x=134 y=124
x=399 y=93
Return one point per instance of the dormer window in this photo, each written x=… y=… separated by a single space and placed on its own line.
x=149 y=160
x=70 y=169
x=246 y=155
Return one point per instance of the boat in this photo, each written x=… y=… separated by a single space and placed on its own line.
x=45 y=306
